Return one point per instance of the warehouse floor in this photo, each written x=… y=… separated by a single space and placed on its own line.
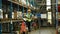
x=44 y=31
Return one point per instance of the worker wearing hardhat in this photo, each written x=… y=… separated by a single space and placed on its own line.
x=29 y=20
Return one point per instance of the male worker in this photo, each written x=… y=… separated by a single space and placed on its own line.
x=29 y=19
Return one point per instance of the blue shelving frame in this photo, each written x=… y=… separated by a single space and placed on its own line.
x=0 y=22
x=56 y=14
x=11 y=10
x=10 y=15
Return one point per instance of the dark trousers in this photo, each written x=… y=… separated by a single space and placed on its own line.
x=23 y=33
x=28 y=25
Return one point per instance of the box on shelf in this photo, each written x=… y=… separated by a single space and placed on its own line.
x=12 y=15
x=44 y=16
x=15 y=14
x=19 y=15
x=1 y=14
x=49 y=15
x=6 y=15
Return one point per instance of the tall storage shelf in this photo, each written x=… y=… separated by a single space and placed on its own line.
x=0 y=16
x=8 y=8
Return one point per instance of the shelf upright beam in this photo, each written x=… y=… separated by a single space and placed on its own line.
x=0 y=4
x=56 y=14
x=22 y=7
x=0 y=22
x=11 y=25
x=33 y=4
x=27 y=5
x=18 y=5
x=19 y=11
x=0 y=28
x=10 y=12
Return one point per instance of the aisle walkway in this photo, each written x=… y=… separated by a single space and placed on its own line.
x=44 y=31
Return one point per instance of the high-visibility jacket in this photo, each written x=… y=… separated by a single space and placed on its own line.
x=29 y=17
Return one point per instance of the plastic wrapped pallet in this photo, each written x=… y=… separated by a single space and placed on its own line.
x=50 y=17
x=12 y=15
x=1 y=14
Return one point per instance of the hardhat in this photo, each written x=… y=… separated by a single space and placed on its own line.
x=29 y=10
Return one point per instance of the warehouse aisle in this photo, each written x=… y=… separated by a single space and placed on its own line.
x=44 y=31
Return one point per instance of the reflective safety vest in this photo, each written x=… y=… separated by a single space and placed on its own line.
x=29 y=17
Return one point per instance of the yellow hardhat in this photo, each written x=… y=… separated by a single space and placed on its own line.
x=29 y=10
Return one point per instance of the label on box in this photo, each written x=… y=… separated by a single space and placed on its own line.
x=43 y=16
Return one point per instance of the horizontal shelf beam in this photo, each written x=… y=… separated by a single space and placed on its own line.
x=7 y=21
x=32 y=8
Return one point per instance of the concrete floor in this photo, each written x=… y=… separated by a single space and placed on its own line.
x=44 y=31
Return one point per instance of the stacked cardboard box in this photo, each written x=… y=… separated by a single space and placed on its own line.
x=19 y=15
x=15 y=14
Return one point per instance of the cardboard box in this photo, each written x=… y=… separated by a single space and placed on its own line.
x=15 y=14
x=19 y=14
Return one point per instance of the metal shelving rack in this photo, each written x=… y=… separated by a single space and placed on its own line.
x=57 y=17
x=42 y=5
x=9 y=4
x=9 y=20
x=0 y=22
